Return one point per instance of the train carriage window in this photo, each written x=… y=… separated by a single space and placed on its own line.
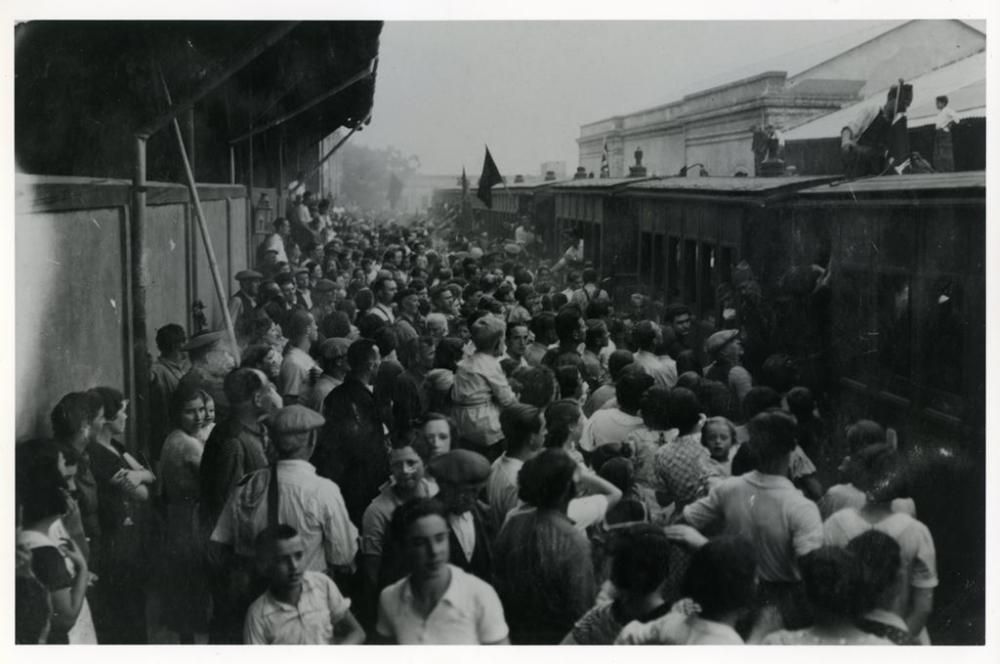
x=706 y=273
x=658 y=264
x=673 y=261
x=645 y=257
x=690 y=271
x=944 y=332
x=895 y=330
x=854 y=334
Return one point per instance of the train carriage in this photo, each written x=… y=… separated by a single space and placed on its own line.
x=907 y=282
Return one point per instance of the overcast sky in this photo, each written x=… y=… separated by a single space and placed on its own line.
x=445 y=89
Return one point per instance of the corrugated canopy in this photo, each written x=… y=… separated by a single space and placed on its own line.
x=82 y=89
x=964 y=82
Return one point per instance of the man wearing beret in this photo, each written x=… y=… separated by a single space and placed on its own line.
x=310 y=504
x=461 y=475
x=243 y=303
x=211 y=361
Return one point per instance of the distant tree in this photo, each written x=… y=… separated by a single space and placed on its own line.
x=366 y=174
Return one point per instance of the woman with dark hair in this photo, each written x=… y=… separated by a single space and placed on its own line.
x=441 y=378
x=415 y=610
x=860 y=435
x=56 y=562
x=571 y=384
x=720 y=584
x=563 y=427
x=881 y=587
x=639 y=567
x=831 y=575
x=538 y=386
x=543 y=327
x=263 y=357
x=544 y=571
x=124 y=487
x=878 y=472
x=183 y=584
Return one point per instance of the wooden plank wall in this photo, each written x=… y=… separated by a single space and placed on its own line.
x=73 y=285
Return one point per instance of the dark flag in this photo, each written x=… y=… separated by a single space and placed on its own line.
x=395 y=189
x=489 y=177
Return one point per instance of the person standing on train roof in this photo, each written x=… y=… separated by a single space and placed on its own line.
x=944 y=122
x=244 y=302
x=872 y=140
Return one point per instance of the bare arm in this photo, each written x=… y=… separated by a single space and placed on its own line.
x=921 y=605
x=348 y=631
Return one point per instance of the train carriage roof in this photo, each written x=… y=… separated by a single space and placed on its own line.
x=598 y=185
x=965 y=182
x=726 y=186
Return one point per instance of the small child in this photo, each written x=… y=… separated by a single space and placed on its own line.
x=718 y=435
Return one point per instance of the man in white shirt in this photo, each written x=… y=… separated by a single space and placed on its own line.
x=611 y=425
x=311 y=504
x=522 y=430
x=300 y=607
x=384 y=289
x=298 y=368
x=647 y=336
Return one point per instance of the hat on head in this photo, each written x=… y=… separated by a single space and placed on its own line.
x=204 y=338
x=325 y=286
x=244 y=275
x=720 y=340
x=295 y=419
x=512 y=249
x=301 y=270
x=461 y=467
x=334 y=347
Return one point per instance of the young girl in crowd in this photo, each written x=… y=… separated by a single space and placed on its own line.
x=718 y=435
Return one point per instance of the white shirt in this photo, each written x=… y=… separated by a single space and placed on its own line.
x=465 y=532
x=469 y=613
x=945 y=117
x=321 y=605
x=662 y=369
x=607 y=426
x=309 y=503
x=501 y=488
x=293 y=379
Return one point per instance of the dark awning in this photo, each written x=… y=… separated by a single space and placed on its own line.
x=82 y=89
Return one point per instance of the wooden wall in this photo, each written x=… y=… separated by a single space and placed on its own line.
x=73 y=299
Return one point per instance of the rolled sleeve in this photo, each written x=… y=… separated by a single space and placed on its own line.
x=340 y=535
x=705 y=511
x=923 y=574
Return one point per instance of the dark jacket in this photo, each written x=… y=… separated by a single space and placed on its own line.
x=351 y=449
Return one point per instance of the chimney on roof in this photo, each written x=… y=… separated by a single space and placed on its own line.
x=581 y=173
x=518 y=178
x=550 y=176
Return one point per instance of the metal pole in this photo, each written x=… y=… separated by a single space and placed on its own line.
x=330 y=153
x=232 y=164
x=211 y=84
x=213 y=264
x=139 y=269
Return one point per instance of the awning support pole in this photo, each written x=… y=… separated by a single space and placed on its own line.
x=140 y=278
x=213 y=264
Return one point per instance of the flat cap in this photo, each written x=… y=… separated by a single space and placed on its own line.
x=334 y=347
x=461 y=467
x=720 y=339
x=300 y=270
x=204 y=338
x=325 y=286
x=243 y=275
x=295 y=419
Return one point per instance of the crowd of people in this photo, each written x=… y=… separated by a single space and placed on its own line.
x=427 y=439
